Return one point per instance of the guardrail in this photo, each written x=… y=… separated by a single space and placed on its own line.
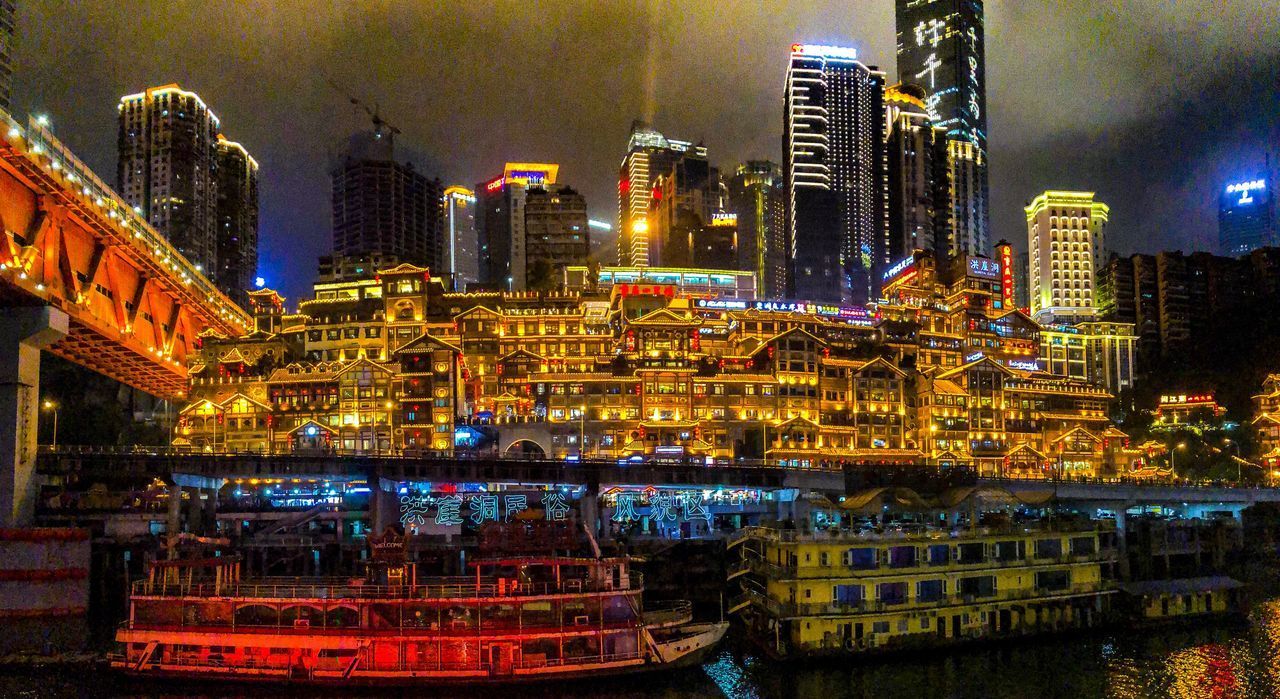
x=447 y=588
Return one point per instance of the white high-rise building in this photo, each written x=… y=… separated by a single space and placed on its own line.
x=1065 y=239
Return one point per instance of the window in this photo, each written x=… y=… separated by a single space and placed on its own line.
x=1083 y=545
x=980 y=586
x=1053 y=580
x=931 y=590
x=1048 y=548
x=860 y=559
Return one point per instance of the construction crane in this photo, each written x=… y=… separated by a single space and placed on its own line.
x=378 y=122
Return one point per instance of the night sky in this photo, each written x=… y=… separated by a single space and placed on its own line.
x=1153 y=104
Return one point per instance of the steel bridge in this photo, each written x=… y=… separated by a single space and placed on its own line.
x=84 y=276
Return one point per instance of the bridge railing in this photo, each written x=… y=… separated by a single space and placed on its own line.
x=40 y=142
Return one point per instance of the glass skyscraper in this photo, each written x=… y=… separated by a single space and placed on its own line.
x=942 y=49
x=834 y=173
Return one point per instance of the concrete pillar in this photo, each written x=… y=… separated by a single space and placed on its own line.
x=24 y=331
x=589 y=509
x=384 y=504
x=211 y=511
x=173 y=525
x=1122 y=545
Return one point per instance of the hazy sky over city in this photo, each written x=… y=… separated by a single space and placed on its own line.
x=1151 y=103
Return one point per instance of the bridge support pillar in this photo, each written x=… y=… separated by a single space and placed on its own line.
x=173 y=524
x=384 y=507
x=589 y=509
x=24 y=331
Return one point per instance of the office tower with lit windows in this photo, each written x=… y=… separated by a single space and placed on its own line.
x=918 y=180
x=529 y=227
x=460 y=226
x=756 y=199
x=834 y=174
x=649 y=154
x=8 y=34
x=237 y=233
x=941 y=46
x=1065 y=231
x=383 y=207
x=167 y=168
x=1247 y=217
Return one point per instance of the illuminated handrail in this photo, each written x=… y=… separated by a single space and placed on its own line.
x=460 y=588
x=81 y=180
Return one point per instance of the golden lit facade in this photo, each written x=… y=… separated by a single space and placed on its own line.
x=848 y=592
x=1065 y=240
x=1266 y=421
x=396 y=363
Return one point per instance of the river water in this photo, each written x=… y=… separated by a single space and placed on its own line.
x=1214 y=659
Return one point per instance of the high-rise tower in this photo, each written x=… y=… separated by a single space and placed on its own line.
x=237 y=225
x=941 y=47
x=460 y=221
x=756 y=198
x=385 y=208
x=8 y=31
x=918 y=177
x=834 y=173
x=1065 y=230
x=167 y=168
x=649 y=155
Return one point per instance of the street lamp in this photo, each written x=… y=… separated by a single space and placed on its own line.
x=1173 y=460
x=53 y=408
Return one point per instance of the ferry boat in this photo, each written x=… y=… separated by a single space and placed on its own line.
x=517 y=619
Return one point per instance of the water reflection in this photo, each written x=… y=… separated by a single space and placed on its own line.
x=1220 y=660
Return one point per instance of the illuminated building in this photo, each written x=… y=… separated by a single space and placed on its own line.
x=386 y=207
x=1266 y=421
x=168 y=168
x=651 y=362
x=756 y=197
x=500 y=222
x=237 y=235
x=1100 y=352
x=847 y=591
x=684 y=202
x=1247 y=217
x=1182 y=409
x=834 y=174
x=556 y=235
x=7 y=32
x=1064 y=240
x=919 y=216
x=703 y=283
x=460 y=222
x=649 y=154
x=941 y=46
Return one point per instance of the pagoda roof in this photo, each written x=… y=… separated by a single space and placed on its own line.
x=425 y=343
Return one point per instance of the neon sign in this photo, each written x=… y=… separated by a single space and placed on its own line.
x=1246 y=189
x=721 y=304
x=495 y=184
x=724 y=219
x=1024 y=364
x=1006 y=275
x=899 y=267
x=840 y=52
x=984 y=267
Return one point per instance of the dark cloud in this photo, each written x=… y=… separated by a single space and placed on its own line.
x=1150 y=103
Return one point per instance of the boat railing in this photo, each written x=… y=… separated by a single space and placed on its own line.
x=802 y=609
x=463 y=587
x=668 y=612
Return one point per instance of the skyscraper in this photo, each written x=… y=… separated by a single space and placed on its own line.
x=834 y=173
x=237 y=226
x=460 y=222
x=556 y=235
x=509 y=248
x=167 y=168
x=382 y=207
x=941 y=46
x=756 y=197
x=8 y=31
x=683 y=200
x=1064 y=232
x=649 y=154
x=919 y=184
x=1247 y=217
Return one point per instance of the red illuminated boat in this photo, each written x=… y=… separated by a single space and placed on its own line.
x=516 y=619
